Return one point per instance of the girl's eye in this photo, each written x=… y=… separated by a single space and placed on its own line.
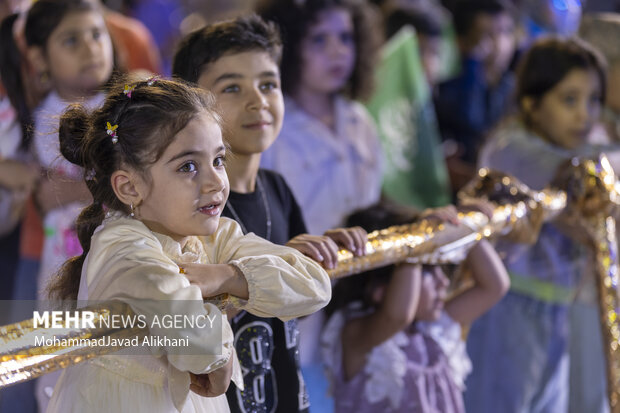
x=570 y=100
x=318 y=40
x=188 y=167
x=230 y=89
x=96 y=34
x=70 y=41
x=219 y=161
x=346 y=38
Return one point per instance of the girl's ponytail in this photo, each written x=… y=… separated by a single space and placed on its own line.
x=72 y=134
x=11 y=70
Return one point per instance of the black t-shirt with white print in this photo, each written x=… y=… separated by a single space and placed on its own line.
x=268 y=348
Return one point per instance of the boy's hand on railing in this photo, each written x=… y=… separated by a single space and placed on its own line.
x=354 y=239
x=324 y=248
x=318 y=247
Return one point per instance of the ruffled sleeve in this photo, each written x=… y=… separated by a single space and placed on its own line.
x=282 y=282
x=126 y=262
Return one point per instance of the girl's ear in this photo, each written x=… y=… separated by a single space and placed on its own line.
x=128 y=187
x=37 y=59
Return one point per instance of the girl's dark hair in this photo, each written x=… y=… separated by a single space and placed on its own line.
x=549 y=60
x=12 y=79
x=148 y=122
x=45 y=15
x=204 y=46
x=295 y=19
x=359 y=287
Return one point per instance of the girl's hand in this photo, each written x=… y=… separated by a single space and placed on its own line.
x=354 y=239
x=320 y=248
x=19 y=176
x=216 y=279
x=212 y=384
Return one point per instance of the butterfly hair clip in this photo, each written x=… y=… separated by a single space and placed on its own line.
x=128 y=90
x=111 y=130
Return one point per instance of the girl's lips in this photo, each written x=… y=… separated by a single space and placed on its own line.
x=338 y=71
x=212 y=209
x=91 y=67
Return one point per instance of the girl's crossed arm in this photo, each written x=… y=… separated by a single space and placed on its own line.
x=281 y=282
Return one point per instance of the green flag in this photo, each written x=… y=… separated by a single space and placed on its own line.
x=402 y=107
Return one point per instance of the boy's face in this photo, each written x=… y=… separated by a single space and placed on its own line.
x=491 y=39
x=247 y=87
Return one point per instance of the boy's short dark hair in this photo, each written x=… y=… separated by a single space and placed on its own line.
x=465 y=12
x=206 y=45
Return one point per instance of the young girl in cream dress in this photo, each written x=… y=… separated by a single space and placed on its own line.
x=154 y=161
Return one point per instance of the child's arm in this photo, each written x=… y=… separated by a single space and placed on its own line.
x=17 y=180
x=397 y=311
x=491 y=283
x=281 y=281
x=56 y=190
x=16 y=175
x=126 y=263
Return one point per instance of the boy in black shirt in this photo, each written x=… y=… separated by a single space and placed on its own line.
x=238 y=61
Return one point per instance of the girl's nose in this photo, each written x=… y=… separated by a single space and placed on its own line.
x=337 y=46
x=214 y=181
x=91 y=47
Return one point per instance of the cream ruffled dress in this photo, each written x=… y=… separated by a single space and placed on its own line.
x=127 y=262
